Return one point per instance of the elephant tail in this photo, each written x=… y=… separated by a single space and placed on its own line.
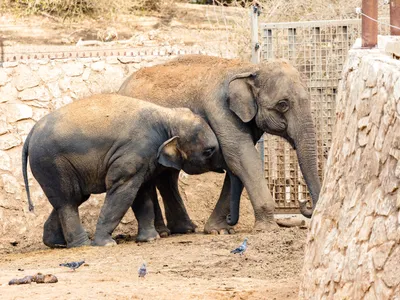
x=24 y=169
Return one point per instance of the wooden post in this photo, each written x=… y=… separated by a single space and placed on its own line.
x=395 y=16
x=369 y=27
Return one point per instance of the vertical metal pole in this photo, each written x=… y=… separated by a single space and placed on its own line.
x=255 y=59
x=255 y=46
x=395 y=16
x=369 y=27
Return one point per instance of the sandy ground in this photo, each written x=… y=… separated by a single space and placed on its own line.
x=194 y=266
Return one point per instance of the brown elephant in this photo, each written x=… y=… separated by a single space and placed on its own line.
x=271 y=99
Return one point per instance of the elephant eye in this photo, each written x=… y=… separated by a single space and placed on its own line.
x=209 y=151
x=282 y=106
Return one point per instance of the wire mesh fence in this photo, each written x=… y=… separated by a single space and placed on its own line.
x=318 y=50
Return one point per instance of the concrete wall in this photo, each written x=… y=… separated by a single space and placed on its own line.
x=30 y=89
x=353 y=247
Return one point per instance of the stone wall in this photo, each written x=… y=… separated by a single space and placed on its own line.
x=353 y=247
x=30 y=89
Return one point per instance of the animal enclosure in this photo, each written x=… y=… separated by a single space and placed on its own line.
x=318 y=50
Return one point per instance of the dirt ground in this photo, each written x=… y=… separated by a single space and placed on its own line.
x=194 y=266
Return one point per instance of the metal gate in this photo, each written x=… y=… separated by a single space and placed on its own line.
x=318 y=50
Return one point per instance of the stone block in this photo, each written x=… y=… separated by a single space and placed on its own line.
x=381 y=290
x=8 y=141
x=3 y=77
x=366 y=228
x=86 y=74
x=54 y=89
x=73 y=69
x=5 y=161
x=16 y=111
x=11 y=185
x=380 y=254
x=26 y=78
x=3 y=125
x=25 y=126
x=391 y=269
x=48 y=73
x=378 y=233
x=39 y=93
x=8 y=93
x=98 y=66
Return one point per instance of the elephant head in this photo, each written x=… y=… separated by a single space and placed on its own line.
x=276 y=99
x=193 y=148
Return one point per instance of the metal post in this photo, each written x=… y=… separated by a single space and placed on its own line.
x=395 y=16
x=255 y=59
x=255 y=46
x=369 y=27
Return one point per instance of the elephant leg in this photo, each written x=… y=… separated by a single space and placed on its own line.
x=178 y=220
x=216 y=223
x=143 y=208
x=74 y=233
x=53 y=235
x=117 y=202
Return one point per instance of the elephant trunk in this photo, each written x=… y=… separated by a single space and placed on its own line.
x=306 y=149
x=236 y=188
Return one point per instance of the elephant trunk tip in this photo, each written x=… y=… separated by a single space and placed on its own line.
x=305 y=211
x=232 y=221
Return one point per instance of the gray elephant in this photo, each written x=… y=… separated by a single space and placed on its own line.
x=272 y=98
x=112 y=144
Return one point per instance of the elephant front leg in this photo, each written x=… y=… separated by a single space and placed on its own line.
x=143 y=208
x=178 y=220
x=117 y=202
x=247 y=166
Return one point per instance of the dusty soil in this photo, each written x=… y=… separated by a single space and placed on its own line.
x=192 y=266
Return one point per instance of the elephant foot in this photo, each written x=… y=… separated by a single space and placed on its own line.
x=147 y=235
x=218 y=226
x=182 y=227
x=79 y=241
x=163 y=231
x=104 y=241
x=266 y=226
x=54 y=240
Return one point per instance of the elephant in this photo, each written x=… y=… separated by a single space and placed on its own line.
x=271 y=99
x=111 y=143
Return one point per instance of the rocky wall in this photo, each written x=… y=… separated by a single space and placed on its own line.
x=30 y=89
x=353 y=247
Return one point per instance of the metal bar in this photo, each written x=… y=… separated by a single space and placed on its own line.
x=369 y=31
x=395 y=17
x=255 y=46
x=310 y=24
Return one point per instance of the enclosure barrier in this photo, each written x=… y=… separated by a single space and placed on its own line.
x=318 y=50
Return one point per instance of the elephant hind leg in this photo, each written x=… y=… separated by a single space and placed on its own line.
x=53 y=235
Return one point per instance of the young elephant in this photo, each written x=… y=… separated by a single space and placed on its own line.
x=109 y=143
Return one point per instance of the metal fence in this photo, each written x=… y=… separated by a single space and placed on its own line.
x=318 y=50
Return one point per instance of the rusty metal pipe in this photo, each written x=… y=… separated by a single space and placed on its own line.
x=369 y=28
x=395 y=16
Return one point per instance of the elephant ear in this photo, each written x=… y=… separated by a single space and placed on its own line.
x=169 y=155
x=242 y=98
